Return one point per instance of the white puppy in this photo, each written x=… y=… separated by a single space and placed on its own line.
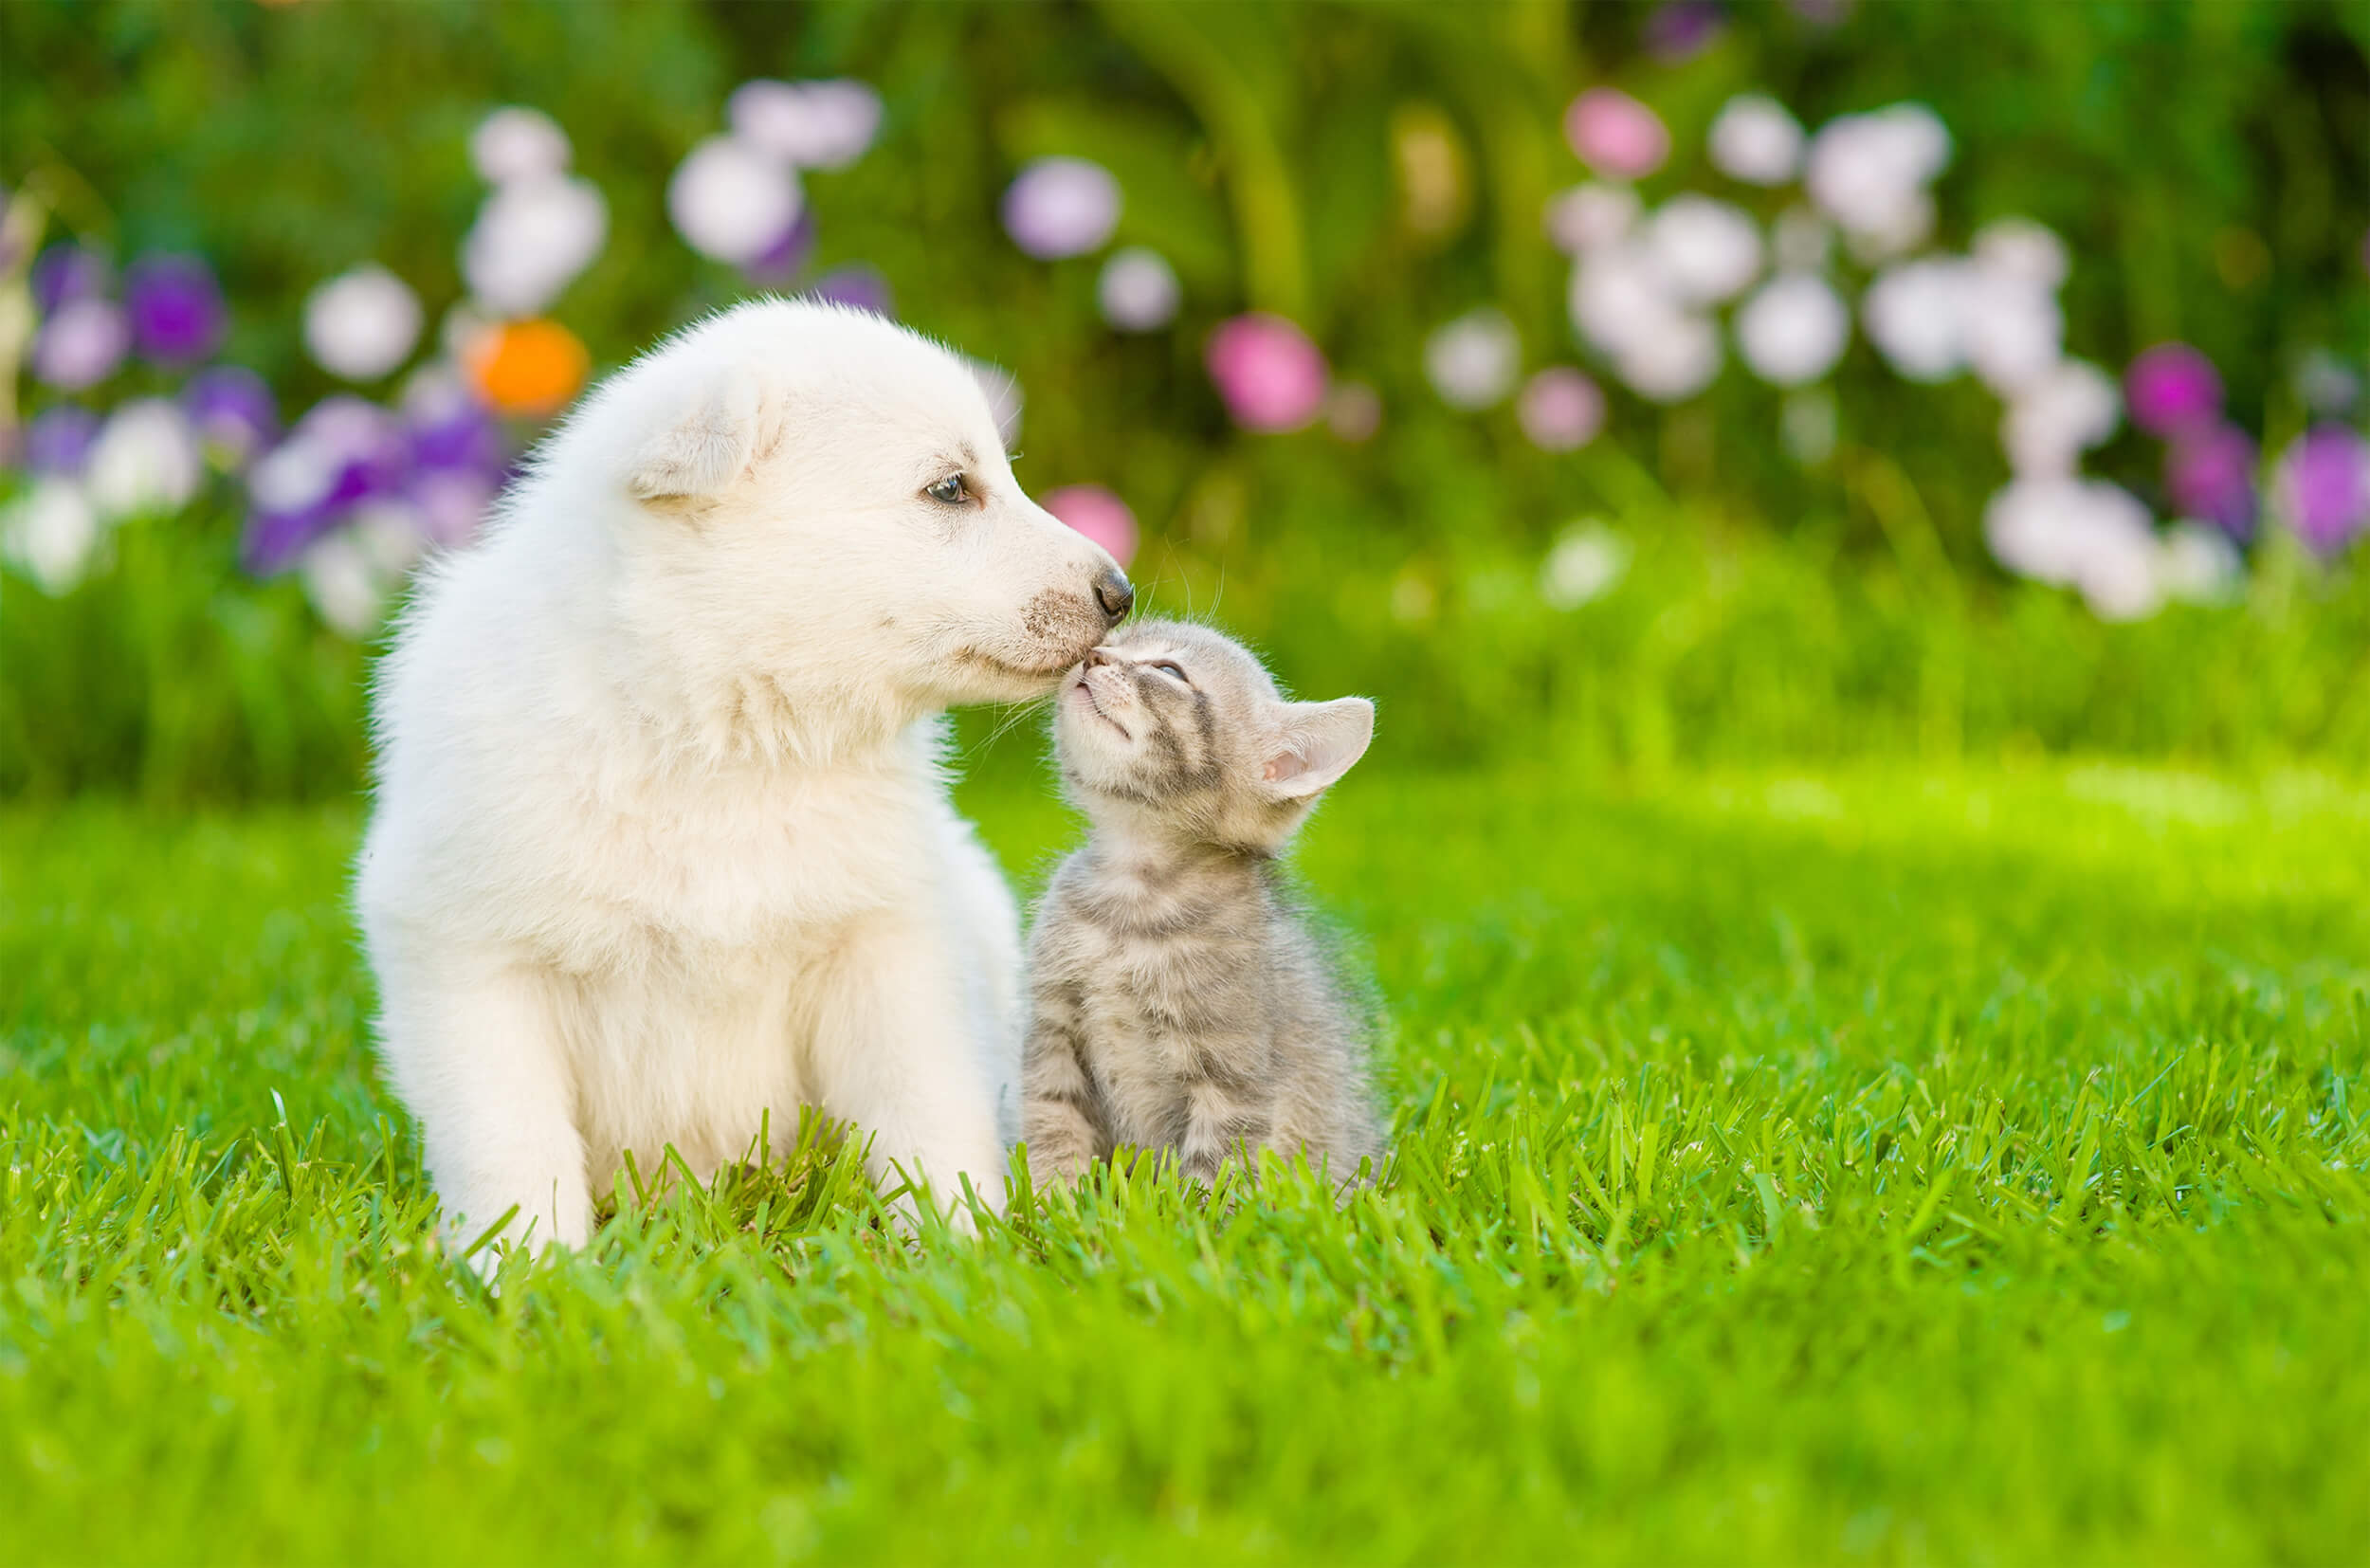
x=661 y=843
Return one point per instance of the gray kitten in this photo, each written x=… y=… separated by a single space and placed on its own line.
x=1180 y=1001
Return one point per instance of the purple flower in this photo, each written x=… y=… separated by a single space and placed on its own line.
x=858 y=285
x=1271 y=377
x=2321 y=485
x=451 y=503
x=178 y=314
x=778 y=262
x=2172 y=388
x=450 y=429
x=234 y=411
x=2209 y=474
x=1684 y=28
x=58 y=440
x=65 y=273
x=344 y=453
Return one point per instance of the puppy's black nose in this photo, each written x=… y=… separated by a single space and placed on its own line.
x=1115 y=594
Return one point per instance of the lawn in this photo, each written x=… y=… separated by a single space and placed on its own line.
x=1869 y=1165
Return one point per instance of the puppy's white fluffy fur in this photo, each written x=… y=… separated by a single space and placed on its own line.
x=660 y=842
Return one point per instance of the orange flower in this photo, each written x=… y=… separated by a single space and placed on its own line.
x=530 y=368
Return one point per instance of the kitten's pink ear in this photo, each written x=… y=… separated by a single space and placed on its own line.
x=710 y=441
x=1316 y=743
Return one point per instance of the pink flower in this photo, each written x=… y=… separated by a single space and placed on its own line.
x=1560 y=409
x=2172 y=388
x=1615 y=135
x=1271 y=377
x=1098 y=513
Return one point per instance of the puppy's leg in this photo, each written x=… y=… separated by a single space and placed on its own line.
x=983 y=925
x=475 y=1050
x=893 y=1052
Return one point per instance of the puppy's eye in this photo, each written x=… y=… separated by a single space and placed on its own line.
x=1170 y=666
x=950 y=491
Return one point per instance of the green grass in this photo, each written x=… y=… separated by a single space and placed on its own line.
x=1872 y=1165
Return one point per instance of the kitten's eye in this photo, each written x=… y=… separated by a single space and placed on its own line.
x=950 y=491
x=1170 y=666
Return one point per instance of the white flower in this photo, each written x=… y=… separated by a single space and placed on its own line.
x=807 y=124
x=1060 y=207
x=2020 y=249
x=531 y=240
x=1622 y=303
x=350 y=574
x=2200 y=564
x=1870 y=174
x=2058 y=416
x=2084 y=534
x=1708 y=250
x=1137 y=291
x=1619 y=294
x=362 y=324
x=82 y=344
x=1801 y=240
x=1472 y=361
x=2010 y=328
x=1909 y=226
x=1794 y=330
x=461 y=330
x=1591 y=216
x=1679 y=357
x=1756 y=141
x=146 y=459
x=343 y=584
x=1584 y=564
x=293 y=475
x=730 y=201
x=52 y=531
x=1911 y=312
x=518 y=144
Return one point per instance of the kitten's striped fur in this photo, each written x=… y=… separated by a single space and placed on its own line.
x=1181 y=1002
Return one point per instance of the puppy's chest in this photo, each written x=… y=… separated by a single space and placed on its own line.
x=747 y=872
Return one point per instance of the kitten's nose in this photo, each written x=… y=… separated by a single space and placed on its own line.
x=1115 y=594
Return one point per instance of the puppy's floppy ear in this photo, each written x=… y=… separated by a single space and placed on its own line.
x=1315 y=743
x=714 y=435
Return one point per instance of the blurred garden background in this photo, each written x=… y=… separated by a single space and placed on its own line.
x=1854 y=515
x=1625 y=383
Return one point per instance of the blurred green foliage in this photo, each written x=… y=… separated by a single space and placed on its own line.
x=2207 y=164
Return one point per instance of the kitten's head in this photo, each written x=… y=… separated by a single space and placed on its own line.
x=1175 y=730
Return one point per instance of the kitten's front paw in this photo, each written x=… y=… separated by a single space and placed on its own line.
x=1058 y=1167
